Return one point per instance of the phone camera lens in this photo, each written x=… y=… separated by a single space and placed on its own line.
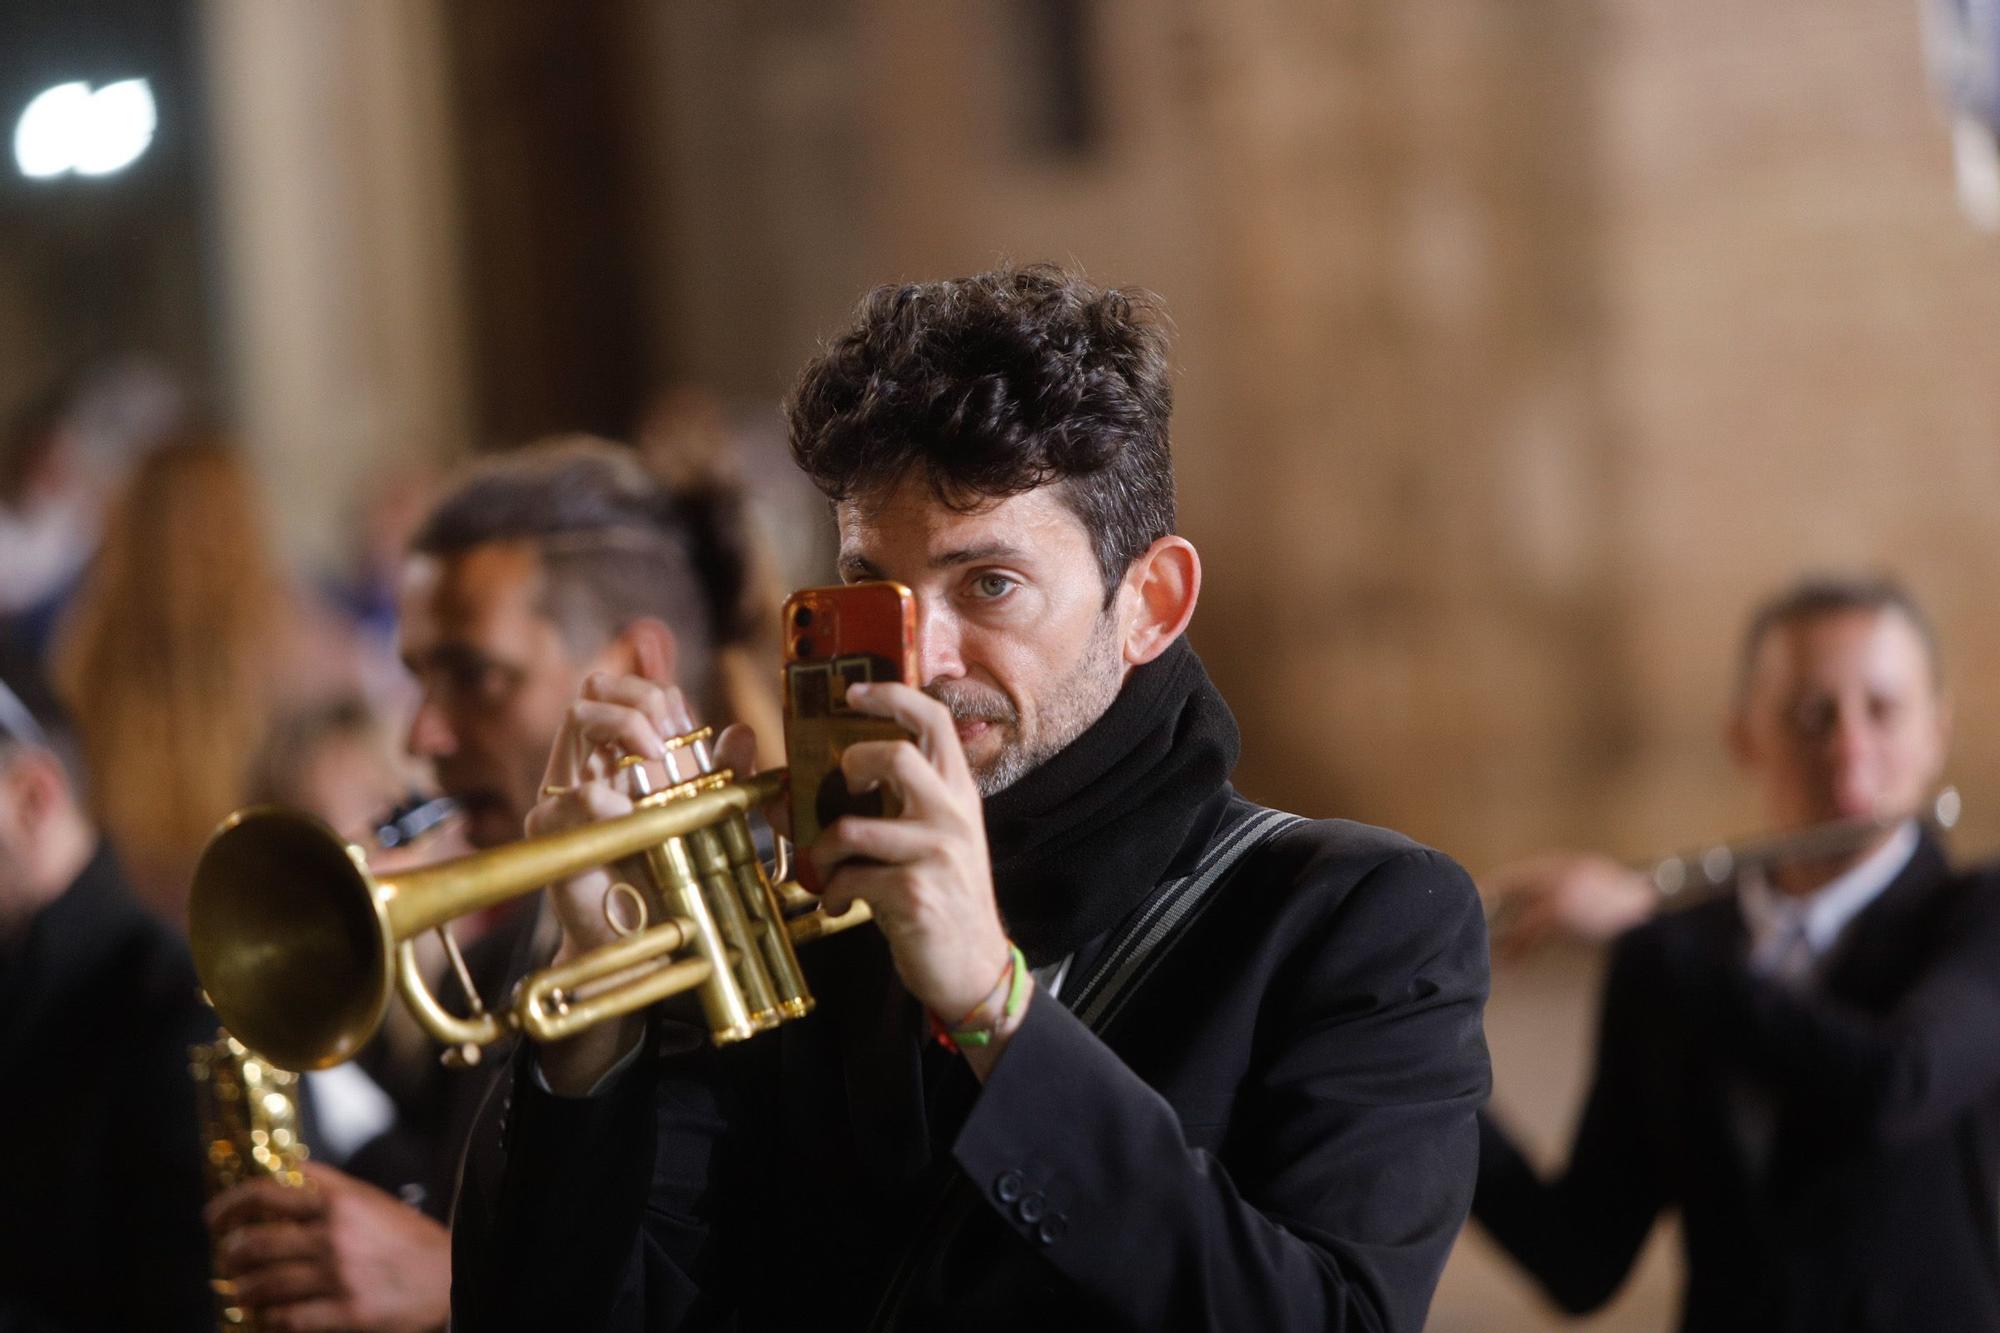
x=802 y=617
x=804 y=647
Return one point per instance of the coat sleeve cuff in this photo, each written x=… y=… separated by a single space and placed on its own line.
x=1033 y=1179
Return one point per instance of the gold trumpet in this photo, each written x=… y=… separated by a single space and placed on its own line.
x=298 y=944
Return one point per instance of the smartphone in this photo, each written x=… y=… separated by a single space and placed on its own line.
x=834 y=638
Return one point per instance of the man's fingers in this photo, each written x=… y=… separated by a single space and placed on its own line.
x=664 y=705
x=585 y=804
x=260 y=1244
x=281 y=1284
x=897 y=765
x=261 y=1200
x=883 y=888
x=736 y=749
x=850 y=838
x=314 y=1316
x=922 y=716
x=595 y=726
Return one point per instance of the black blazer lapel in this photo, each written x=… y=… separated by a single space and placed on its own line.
x=1887 y=941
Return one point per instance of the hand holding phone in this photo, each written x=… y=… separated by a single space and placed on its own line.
x=834 y=638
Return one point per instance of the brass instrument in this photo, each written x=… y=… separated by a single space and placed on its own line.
x=298 y=944
x=1713 y=867
x=249 y=1112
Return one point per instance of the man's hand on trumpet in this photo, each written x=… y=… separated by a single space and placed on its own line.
x=925 y=873
x=612 y=717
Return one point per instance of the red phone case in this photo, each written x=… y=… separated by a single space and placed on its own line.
x=836 y=637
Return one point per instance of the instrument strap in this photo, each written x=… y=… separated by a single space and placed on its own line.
x=1149 y=934
x=1140 y=945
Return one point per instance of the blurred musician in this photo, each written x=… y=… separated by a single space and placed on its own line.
x=100 y=1181
x=1805 y=1066
x=543 y=566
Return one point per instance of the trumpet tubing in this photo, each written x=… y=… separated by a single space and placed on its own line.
x=298 y=945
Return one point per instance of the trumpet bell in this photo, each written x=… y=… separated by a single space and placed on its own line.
x=290 y=939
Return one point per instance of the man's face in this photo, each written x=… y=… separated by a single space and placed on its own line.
x=1843 y=719
x=1012 y=630
x=495 y=676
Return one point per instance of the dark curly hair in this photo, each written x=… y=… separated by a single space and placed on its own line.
x=994 y=385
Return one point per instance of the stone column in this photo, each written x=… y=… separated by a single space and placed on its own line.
x=337 y=247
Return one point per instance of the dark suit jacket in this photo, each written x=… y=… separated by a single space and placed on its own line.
x=1876 y=1209
x=100 y=1152
x=1276 y=1133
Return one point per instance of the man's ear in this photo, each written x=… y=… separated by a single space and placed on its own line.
x=645 y=647
x=1159 y=590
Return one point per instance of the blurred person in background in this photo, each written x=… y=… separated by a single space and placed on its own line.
x=1805 y=1065
x=100 y=1165
x=540 y=567
x=62 y=455
x=183 y=642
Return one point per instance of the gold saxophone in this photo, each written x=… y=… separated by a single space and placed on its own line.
x=250 y=1129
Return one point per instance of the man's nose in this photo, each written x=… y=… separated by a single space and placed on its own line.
x=938 y=633
x=1850 y=739
x=430 y=735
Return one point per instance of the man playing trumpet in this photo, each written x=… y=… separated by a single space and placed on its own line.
x=1804 y=1065
x=1256 y=1113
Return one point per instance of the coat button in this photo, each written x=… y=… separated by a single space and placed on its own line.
x=1052 y=1228
x=1009 y=1186
x=1030 y=1209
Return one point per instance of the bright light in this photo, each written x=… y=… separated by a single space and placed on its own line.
x=70 y=128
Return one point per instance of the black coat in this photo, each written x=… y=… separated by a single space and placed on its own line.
x=100 y=1151
x=1876 y=1209
x=1276 y=1133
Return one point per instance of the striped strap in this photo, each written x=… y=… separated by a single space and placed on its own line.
x=1167 y=914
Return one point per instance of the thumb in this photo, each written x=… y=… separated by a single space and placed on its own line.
x=736 y=749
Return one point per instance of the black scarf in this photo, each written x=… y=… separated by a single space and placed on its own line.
x=1079 y=842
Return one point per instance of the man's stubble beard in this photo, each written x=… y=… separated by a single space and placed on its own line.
x=1066 y=712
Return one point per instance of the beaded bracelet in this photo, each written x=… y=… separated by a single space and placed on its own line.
x=977 y=1028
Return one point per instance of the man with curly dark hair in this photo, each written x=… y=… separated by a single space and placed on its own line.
x=1127 y=1049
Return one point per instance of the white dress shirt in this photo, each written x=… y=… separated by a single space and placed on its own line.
x=1790 y=936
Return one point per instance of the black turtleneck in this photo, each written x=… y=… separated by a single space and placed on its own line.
x=1079 y=842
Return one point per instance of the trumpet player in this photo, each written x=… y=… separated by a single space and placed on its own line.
x=1127 y=1050
x=1804 y=1066
x=100 y=1183
x=560 y=559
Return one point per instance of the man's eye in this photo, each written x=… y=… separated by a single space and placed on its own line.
x=991 y=586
